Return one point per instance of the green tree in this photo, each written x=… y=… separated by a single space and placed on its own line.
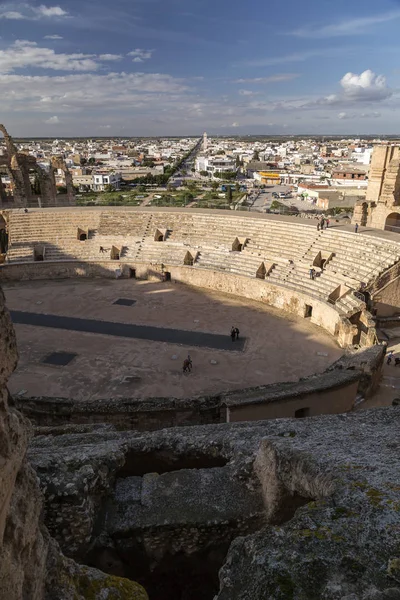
x=215 y=185
x=237 y=187
x=237 y=161
x=229 y=194
x=256 y=155
x=92 y=160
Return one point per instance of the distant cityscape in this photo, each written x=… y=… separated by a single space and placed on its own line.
x=261 y=174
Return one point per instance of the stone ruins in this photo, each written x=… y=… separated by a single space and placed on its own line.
x=381 y=208
x=219 y=497
x=302 y=508
x=22 y=170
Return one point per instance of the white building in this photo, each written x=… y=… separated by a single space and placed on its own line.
x=101 y=180
x=215 y=164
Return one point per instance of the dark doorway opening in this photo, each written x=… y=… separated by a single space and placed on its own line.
x=132 y=273
x=3 y=236
x=308 y=311
x=392 y=222
x=38 y=253
x=167 y=276
x=115 y=253
x=301 y=413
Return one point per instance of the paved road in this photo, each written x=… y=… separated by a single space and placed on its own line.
x=264 y=198
x=128 y=330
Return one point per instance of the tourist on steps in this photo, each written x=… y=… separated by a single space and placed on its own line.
x=356 y=228
x=233 y=333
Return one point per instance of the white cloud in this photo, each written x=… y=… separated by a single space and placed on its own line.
x=50 y=11
x=53 y=120
x=31 y=13
x=22 y=54
x=139 y=55
x=370 y=115
x=343 y=115
x=110 y=57
x=105 y=126
x=53 y=37
x=286 y=58
x=347 y=27
x=270 y=79
x=75 y=93
x=235 y=124
x=365 y=87
x=12 y=15
x=247 y=93
x=358 y=89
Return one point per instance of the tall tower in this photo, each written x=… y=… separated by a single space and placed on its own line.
x=204 y=142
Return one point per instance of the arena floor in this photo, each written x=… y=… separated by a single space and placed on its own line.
x=278 y=346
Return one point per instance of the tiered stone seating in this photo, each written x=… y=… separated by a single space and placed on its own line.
x=56 y=230
x=361 y=258
x=290 y=247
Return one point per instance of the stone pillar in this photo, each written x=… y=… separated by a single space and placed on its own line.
x=47 y=186
x=3 y=195
x=381 y=158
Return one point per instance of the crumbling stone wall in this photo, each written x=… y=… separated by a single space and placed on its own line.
x=18 y=166
x=326 y=490
x=31 y=564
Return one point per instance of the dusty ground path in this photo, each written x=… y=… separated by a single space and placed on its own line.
x=279 y=347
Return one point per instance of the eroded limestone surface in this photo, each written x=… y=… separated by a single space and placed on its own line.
x=306 y=509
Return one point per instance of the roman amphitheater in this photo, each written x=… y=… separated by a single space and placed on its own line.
x=270 y=471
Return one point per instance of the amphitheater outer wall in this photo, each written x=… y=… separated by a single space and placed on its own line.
x=291 y=301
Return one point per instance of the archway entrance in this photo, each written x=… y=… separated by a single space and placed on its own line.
x=3 y=236
x=392 y=222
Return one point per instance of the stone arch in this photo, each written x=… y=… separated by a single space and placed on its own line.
x=57 y=162
x=392 y=222
x=82 y=234
x=11 y=149
x=47 y=185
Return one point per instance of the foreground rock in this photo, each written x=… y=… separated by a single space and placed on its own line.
x=32 y=566
x=301 y=509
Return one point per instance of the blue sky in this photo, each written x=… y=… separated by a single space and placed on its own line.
x=165 y=67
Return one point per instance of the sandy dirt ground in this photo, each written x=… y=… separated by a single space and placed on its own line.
x=279 y=347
